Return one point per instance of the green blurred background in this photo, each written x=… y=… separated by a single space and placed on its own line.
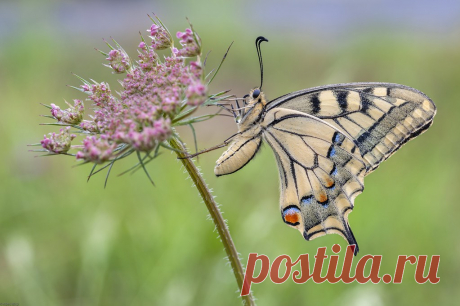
x=64 y=241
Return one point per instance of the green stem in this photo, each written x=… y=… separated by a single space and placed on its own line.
x=217 y=218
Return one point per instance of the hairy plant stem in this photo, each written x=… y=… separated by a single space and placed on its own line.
x=217 y=218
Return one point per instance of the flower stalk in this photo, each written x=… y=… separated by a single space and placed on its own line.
x=216 y=216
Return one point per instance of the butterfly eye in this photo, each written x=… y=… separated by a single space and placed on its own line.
x=255 y=93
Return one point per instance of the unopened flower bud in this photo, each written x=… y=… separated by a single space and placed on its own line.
x=58 y=143
x=56 y=111
x=190 y=45
x=160 y=37
x=119 y=61
x=99 y=93
x=72 y=115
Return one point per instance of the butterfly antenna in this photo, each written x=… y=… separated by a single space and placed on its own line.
x=259 y=40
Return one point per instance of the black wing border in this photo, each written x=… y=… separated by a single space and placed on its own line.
x=295 y=94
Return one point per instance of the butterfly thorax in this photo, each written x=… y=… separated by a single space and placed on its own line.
x=248 y=139
x=253 y=110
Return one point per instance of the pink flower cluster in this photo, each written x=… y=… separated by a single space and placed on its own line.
x=196 y=94
x=72 y=115
x=97 y=150
x=119 y=61
x=190 y=45
x=89 y=126
x=142 y=141
x=153 y=92
x=99 y=93
x=58 y=143
x=160 y=37
x=148 y=58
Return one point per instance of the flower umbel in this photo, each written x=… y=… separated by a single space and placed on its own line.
x=156 y=95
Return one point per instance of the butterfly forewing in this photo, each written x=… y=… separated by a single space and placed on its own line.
x=379 y=117
x=321 y=172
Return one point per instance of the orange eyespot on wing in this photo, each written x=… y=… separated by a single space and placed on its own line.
x=291 y=215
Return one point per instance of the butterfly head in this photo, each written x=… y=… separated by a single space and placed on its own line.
x=254 y=102
x=256 y=96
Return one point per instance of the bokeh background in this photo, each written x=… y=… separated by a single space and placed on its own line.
x=64 y=241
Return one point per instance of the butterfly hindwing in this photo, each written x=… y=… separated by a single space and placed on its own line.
x=321 y=172
x=379 y=117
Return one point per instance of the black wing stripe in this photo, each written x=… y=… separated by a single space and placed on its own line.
x=297 y=134
x=287 y=152
x=343 y=86
x=324 y=229
x=280 y=164
x=342 y=99
x=283 y=170
x=294 y=177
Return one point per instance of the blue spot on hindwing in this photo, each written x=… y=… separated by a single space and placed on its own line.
x=331 y=152
x=324 y=204
x=338 y=138
x=291 y=210
x=306 y=200
x=334 y=170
